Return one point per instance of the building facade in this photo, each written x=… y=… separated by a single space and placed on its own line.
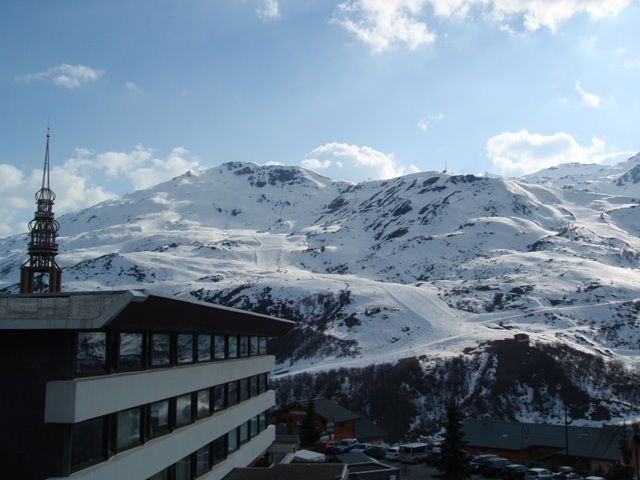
x=132 y=385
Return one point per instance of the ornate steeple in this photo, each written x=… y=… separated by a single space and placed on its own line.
x=41 y=273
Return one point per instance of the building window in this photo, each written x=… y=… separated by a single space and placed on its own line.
x=219 y=449
x=232 y=441
x=262 y=383
x=262 y=421
x=185 y=349
x=203 y=408
x=233 y=347
x=219 y=398
x=88 y=443
x=183 y=469
x=244 y=346
x=128 y=425
x=163 y=475
x=262 y=346
x=253 y=426
x=159 y=418
x=130 y=351
x=160 y=349
x=244 y=433
x=202 y=461
x=253 y=346
x=253 y=386
x=244 y=389
x=220 y=347
x=183 y=410
x=204 y=348
x=91 y=352
x=232 y=393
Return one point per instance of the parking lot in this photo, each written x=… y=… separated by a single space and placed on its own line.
x=421 y=471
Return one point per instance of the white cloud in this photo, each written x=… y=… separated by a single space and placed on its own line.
x=354 y=163
x=425 y=122
x=133 y=87
x=64 y=75
x=520 y=153
x=268 y=10
x=82 y=180
x=588 y=99
x=384 y=23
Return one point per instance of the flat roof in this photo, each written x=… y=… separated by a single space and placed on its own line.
x=133 y=310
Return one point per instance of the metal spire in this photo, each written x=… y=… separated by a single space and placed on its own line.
x=41 y=273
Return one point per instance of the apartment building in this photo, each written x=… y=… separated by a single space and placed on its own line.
x=132 y=385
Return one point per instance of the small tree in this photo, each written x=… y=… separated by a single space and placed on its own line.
x=453 y=463
x=309 y=432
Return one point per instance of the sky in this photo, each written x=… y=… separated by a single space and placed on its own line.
x=136 y=93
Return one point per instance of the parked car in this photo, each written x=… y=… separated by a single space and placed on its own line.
x=493 y=467
x=413 y=452
x=538 y=474
x=594 y=477
x=376 y=451
x=325 y=446
x=345 y=445
x=480 y=460
x=572 y=476
x=514 y=471
x=392 y=453
x=361 y=448
x=563 y=472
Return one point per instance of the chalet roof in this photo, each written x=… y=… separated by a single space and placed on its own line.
x=332 y=411
x=367 y=430
x=291 y=471
x=590 y=442
x=131 y=309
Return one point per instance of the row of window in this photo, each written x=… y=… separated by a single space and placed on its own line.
x=202 y=460
x=94 y=440
x=106 y=352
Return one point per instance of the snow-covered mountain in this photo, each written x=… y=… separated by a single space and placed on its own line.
x=428 y=265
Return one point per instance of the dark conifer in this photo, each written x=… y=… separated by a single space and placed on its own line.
x=309 y=432
x=453 y=464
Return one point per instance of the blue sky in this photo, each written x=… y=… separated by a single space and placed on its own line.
x=138 y=92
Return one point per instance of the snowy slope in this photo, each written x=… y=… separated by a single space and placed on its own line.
x=425 y=264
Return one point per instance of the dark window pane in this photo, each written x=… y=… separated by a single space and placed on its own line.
x=244 y=432
x=244 y=389
x=263 y=421
x=160 y=350
x=253 y=346
x=185 y=348
x=202 y=461
x=253 y=426
x=130 y=351
x=233 y=347
x=253 y=386
x=220 y=347
x=128 y=429
x=91 y=352
x=204 y=348
x=203 y=403
x=232 y=393
x=183 y=469
x=158 y=418
x=244 y=346
x=262 y=383
x=163 y=475
x=263 y=346
x=219 y=449
x=232 y=441
x=219 y=398
x=87 y=444
x=183 y=409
